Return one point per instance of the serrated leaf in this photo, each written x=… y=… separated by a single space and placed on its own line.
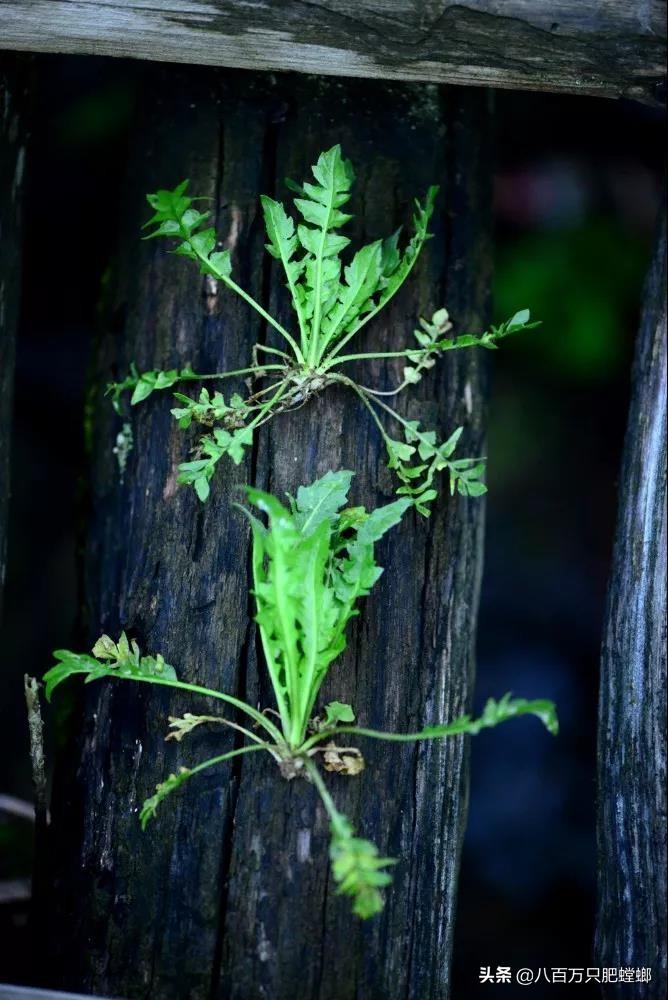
x=362 y=277
x=494 y=713
x=310 y=566
x=399 y=452
x=109 y=659
x=358 y=869
x=162 y=790
x=322 y=499
x=381 y=520
x=448 y=447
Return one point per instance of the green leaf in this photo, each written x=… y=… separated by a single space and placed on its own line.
x=322 y=499
x=381 y=520
x=496 y=712
x=174 y=217
x=399 y=452
x=283 y=243
x=417 y=480
x=448 y=447
x=520 y=319
x=162 y=790
x=109 y=659
x=362 y=278
x=219 y=264
x=280 y=229
x=351 y=518
x=143 y=389
x=321 y=208
x=202 y=488
x=337 y=712
x=106 y=649
x=310 y=566
x=200 y=472
x=390 y=256
x=242 y=438
x=358 y=869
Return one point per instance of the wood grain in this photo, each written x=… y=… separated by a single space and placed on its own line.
x=14 y=78
x=611 y=48
x=631 y=926
x=229 y=894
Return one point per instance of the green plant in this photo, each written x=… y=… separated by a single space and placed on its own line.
x=332 y=304
x=312 y=562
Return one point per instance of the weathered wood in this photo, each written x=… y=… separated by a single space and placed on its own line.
x=28 y=993
x=228 y=894
x=410 y=657
x=607 y=47
x=13 y=80
x=631 y=926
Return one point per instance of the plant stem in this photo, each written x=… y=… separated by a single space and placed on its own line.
x=266 y=316
x=317 y=308
x=221 y=721
x=337 y=819
x=247 y=298
x=257 y=717
x=332 y=362
x=359 y=391
x=271 y=350
x=280 y=391
x=226 y=756
x=255 y=369
x=377 y=734
x=397 y=417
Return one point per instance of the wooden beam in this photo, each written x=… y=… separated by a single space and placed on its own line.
x=611 y=48
x=631 y=923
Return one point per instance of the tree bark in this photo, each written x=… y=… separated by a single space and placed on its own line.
x=13 y=91
x=229 y=894
x=631 y=926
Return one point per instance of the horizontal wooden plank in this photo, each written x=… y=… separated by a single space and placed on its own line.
x=610 y=48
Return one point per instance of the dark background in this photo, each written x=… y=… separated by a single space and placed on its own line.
x=577 y=189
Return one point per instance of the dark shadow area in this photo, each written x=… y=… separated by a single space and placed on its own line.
x=576 y=196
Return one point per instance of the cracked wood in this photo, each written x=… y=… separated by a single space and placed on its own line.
x=610 y=48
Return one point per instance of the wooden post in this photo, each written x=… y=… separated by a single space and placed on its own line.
x=229 y=894
x=13 y=79
x=631 y=925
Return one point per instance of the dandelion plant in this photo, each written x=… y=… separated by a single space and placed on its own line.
x=313 y=560
x=332 y=303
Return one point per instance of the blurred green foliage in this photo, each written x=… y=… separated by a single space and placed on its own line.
x=584 y=283
x=97 y=116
